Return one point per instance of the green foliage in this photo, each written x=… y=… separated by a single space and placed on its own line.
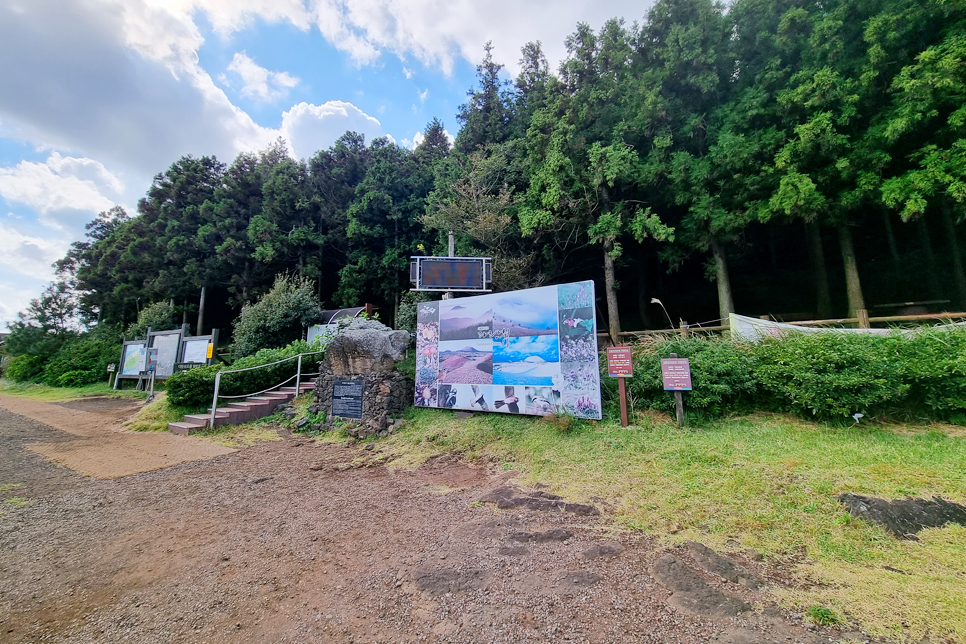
x=195 y=387
x=827 y=376
x=89 y=357
x=159 y=316
x=278 y=318
x=408 y=307
x=76 y=378
x=721 y=374
x=25 y=367
x=830 y=375
x=823 y=616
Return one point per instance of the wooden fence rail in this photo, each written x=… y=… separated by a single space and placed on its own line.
x=864 y=321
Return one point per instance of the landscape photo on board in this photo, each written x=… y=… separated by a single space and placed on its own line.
x=529 y=360
x=468 y=318
x=525 y=313
x=466 y=362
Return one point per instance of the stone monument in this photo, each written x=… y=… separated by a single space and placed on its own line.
x=358 y=381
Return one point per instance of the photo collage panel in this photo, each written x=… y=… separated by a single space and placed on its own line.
x=521 y=352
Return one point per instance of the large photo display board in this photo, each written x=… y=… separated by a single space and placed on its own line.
x=522 y=352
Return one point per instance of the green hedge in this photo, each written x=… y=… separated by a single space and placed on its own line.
x=721 y=374
x=195 y=388
x=24 y=367
x=824 y=376
x=81 y=356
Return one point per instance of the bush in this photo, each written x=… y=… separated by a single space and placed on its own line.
x=78 y=378
x=91 y=356
x=278 y=318
x=721 y=374
x=159 y=316
x=831 y=375
x=194 y=388
x=25 y=367
x=933 y=363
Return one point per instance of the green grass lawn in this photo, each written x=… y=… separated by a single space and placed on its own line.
x=766 y=482
x=46 y=393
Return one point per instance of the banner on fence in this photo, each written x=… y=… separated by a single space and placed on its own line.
x=754 y=329
x=522 y=352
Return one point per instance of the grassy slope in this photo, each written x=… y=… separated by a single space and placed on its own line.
x=45 y=393
x=764 y=482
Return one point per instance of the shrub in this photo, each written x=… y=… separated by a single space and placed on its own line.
x=278 y=318
x=25 y=367
x=721 y=374
x=933 y=363
x=194 y=388
x=77 y=378
x=831 y=375
x=82 y=356
x=159 y=316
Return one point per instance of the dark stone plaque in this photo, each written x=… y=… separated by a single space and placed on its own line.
x=347 y=398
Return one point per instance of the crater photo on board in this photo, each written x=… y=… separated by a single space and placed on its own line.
x=466 y=361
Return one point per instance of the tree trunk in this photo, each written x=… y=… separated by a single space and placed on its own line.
x=725 y=304
x=610 y=287
x=932 y=273
x=852 y=284
x=816 y=253
x=958 y=275
x=201 y=310
x=894 y=254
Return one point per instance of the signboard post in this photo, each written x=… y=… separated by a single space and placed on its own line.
x=347 y=398
x=619 y=365
x=677 y=378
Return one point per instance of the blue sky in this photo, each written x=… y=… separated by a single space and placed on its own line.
x=99 y=95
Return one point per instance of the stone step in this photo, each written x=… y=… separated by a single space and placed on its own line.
x=271 y=401
x=199 y=419
x=233 y=416
x=257 y=408
x=183 y=429
x=252 y=410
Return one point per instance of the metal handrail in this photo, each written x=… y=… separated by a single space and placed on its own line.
x=297 y=376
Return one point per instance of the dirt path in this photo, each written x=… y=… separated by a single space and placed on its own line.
x=288 y=542
x=100 y=447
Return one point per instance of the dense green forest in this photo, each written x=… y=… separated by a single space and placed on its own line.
x=770 y=156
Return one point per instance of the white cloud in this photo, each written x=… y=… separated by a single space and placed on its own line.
x=423 y=95
x=30 y=255
x=408 y=73
x=309 y=128
x=261 y=83
x=61 y=189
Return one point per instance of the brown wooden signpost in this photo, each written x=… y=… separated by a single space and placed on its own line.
x=676 y=373
x=620 y=365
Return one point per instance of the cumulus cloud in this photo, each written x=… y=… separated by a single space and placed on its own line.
x=30 y=255
x=76 y=85
x=259 y=82
x=62 y=190
x=309 y=128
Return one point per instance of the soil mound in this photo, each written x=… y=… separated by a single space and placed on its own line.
x=904 y=517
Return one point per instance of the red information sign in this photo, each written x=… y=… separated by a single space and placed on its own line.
x=619 y=363
x=677 y=374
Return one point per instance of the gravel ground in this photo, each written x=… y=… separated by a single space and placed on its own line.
x=288 y=542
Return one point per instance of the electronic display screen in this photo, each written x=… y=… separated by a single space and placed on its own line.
x=453 y=274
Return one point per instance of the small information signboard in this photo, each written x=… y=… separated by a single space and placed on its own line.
x=619 y=363
x=347 y=398
x=676 y=373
